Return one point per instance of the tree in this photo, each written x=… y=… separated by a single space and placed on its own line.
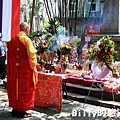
x=31 y=21
x=52 y=16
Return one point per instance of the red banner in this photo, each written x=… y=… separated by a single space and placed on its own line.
x=94 y=28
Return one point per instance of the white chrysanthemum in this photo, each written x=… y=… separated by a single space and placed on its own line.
x=98 y=43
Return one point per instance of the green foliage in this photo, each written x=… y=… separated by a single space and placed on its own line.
x=75 y=41
x=31 y=34
x=38 y=5
x=36 y=33
x=52 y=25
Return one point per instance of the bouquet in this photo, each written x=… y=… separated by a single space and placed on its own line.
x=65 y=48
x=103 y=52
x=42 y=44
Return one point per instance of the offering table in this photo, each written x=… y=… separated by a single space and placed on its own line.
x=49 y=90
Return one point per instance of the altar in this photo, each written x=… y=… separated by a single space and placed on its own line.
x=49 y=90
x=94 y=68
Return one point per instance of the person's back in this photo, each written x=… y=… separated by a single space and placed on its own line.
x=22 y=73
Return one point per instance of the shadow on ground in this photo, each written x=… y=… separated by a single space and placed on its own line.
x=39 y=113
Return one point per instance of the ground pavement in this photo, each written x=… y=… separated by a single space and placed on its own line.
x=70 y=111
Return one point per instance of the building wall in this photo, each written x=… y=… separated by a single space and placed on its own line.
x=111 y=17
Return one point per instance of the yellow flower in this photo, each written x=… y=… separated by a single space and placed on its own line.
x=90 y=50
x=65 y=48
x=45 y=46
x=111 y=57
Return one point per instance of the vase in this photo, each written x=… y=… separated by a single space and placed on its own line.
x=49 y=56
x=64 y=58
x=42 y=55
x=63 y=67
x=63 y=63
x=46 y=57
x=52 y=57
x=99 y=71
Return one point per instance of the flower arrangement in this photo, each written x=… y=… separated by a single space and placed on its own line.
x=65 y=48
x=103 y=51
x=42 y=44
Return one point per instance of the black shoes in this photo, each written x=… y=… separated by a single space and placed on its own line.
x=20 y=114
x=2 y=85
x=14 y=113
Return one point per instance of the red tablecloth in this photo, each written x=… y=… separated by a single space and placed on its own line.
x=49 y=88
x=49 y=91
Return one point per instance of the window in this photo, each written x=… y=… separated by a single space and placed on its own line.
x=73 y=6
x=93 y=5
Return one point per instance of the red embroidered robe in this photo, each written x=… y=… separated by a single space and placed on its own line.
x=21 y=73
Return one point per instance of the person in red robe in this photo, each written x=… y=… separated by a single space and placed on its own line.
x=22 y=75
